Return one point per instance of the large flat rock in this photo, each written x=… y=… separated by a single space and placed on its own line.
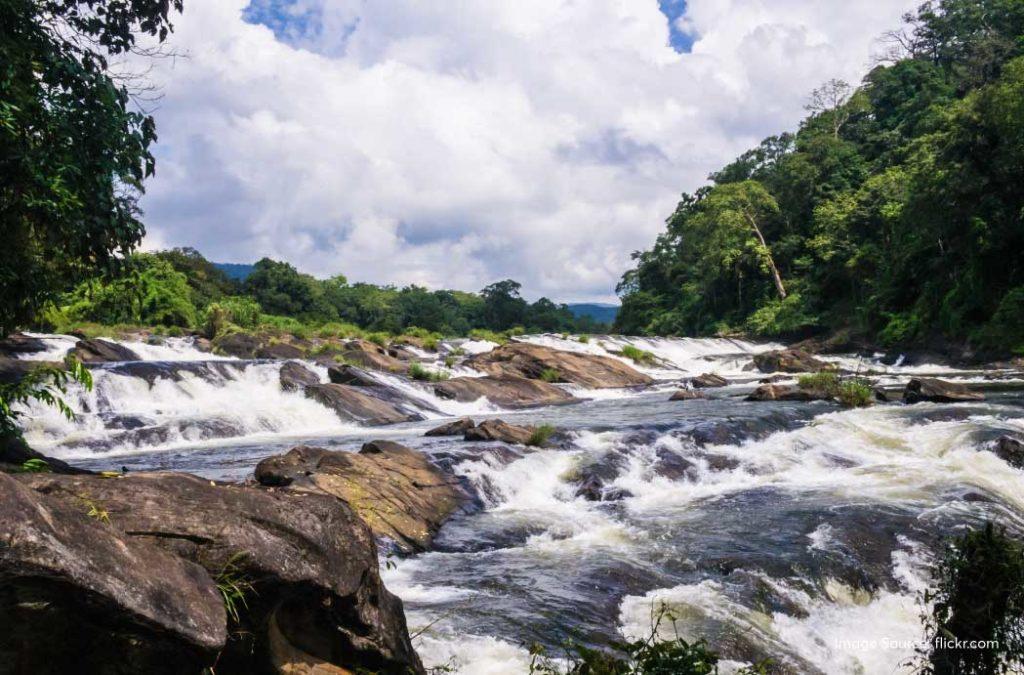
x=507 y=391
x=531 y=361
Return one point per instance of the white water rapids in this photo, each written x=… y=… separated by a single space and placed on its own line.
x=791 y=531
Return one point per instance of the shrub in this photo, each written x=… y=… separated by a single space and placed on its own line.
x=488 y=335
x=242 y=310
x=638 y=355
x=340 y=330
x=851 y=393
x=645 y=656
x=781 y=317
x=550 y=375
x=978 y=596
x=378 y=338
x=540 y=435
x=583 y=339
x=449 y=361
x=418 y=372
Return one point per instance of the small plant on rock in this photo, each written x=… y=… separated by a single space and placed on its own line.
x=540 y=435
x=233 y=587
x=638 y=355
x=550 y=375
x=418 y=372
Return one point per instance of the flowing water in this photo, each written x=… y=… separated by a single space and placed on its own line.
x=793 y=531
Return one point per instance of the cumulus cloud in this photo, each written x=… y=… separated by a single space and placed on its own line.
x=454 y=144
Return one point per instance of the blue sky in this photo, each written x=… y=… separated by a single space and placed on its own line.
x=453 y=144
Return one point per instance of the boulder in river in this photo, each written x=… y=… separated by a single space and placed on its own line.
x=788 y=361
x=354 y=404
x=395 y=489
x=686 y=395
x=1010 y=450
x=239 y=345
x=347 y=374
x=296 y=377
x=939 y=391
x=15 y=452
x=457 y=428
x=371 y=355
x=500 y=430
x=782 y=392
x=79 y=595
x=524 y=359
x=305 y=564
x=102 y=351
x=708 y=381
x=19 y=343
x=506 y=391
x=13 y=370
x=279 y=351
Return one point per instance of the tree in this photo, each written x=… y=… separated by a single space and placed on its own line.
x=503 y=306
x=830 y=100
x=73 y=151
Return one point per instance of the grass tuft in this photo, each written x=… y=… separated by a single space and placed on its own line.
x=540 y=435
x=638 y=355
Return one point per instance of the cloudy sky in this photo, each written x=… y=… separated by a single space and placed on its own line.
x=455 y=143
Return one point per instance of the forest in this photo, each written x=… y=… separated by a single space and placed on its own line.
x=179 y=290
x=894 y=213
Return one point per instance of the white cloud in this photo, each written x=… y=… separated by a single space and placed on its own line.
x=454 y=144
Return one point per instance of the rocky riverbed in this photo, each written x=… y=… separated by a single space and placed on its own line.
x=546 y=489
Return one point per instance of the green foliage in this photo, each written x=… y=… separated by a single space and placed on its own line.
x=645 y=656
x=893 y=211
x=34 y=465
x=73 y=152
x=540 y=435
x=418 y=372
x=550 y=375
x=978 y=596
x=148 y=291
x=45 y=384
x=234 y=587
x=850 y=392
x=638 y=355
x=583 y=339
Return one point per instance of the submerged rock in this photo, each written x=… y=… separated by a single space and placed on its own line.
x=783 y=392
x=78 y=595
x=305 y=564
x=940 y=391
x=457 y=428
x=708 y=380
x=686 y=395
x=788 y=361
x=355 y=404
x=1010 y=450
x=500 y=430
x=296 y=377
x=395 y=489
x=280 y=351
x=531 y=361
x=102 y=351
x=506 y=391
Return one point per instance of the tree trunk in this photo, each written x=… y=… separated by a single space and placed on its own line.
x=776 y=277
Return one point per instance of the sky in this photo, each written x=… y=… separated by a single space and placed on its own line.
x=453 y=144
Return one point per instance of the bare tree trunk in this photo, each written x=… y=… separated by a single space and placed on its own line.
x=776 y=277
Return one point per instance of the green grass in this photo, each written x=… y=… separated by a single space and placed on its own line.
x=824 y=381
x=233 y=587
x=449 y=361
x=540 y=435
x=583 y=339
x=418 y=372
x=638 y=355
x=550 y=375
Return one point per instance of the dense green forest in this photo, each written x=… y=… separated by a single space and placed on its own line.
x=180 y=289
x=895 y=212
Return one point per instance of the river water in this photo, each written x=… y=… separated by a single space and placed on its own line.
x=797 y=532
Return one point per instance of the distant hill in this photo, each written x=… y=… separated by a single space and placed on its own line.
x=236 y=271
x=600 y=312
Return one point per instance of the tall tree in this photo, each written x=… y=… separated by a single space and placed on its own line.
x=73 y=150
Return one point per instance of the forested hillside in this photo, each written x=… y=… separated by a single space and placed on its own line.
x=895 y=211
x=180 y=289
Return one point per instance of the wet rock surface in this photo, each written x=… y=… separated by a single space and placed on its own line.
x=398 y=492
x=102 y=351
x=530 y=361
x=506 y=391
x=940 y=391
x=686 y=395
x=305 y=564
x=788 y=361
x=708 y=380
x=1010 y=450
x=356 y=405
x=500 y=430
x=296 y=377
x=457 y=428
